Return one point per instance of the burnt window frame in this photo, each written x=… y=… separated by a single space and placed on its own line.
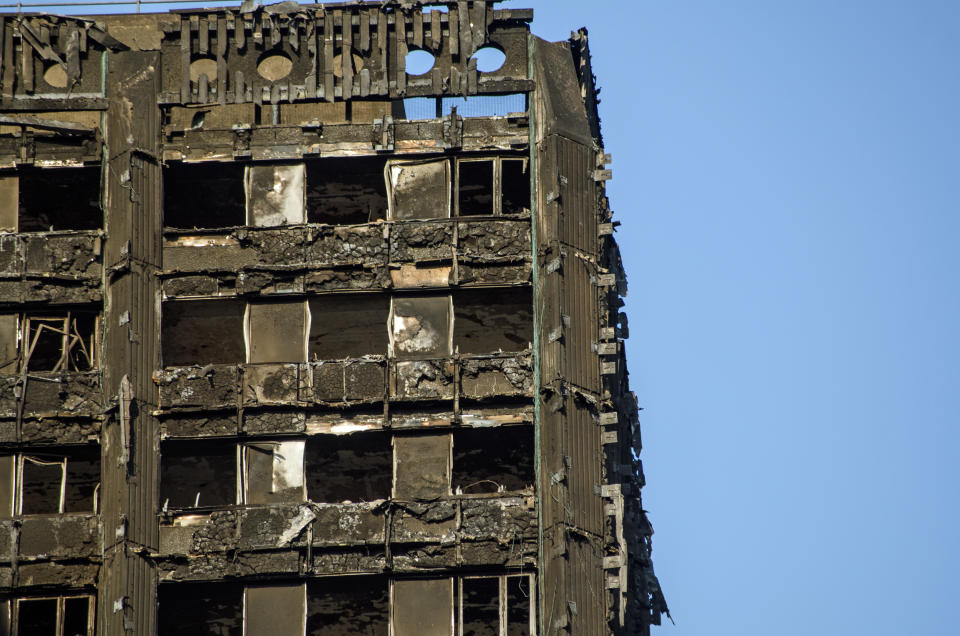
x=12 y=609
x=503 y=599
x=497 y=185
x=392 y=332
x=16 y=481
x=249 y=319
x=241 y=481
x=456 y=582
x=459 y=433
x=450 y=190
x=16 y=176
x=241 y=307
x=27 y=339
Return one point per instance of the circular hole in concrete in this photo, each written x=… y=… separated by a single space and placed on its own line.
x=338 y=64
x=274 y=67
x=489 y=59
x=203 y=66
x=419 y=62
x=55 y=76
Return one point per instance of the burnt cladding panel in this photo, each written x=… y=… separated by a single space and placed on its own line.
x=586 y=586
x=581 y=365
x=578 y=219
x=582 y=446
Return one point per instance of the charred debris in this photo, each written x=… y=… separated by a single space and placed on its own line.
x=294 y=341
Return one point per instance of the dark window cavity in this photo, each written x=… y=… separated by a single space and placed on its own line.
x=51 y=199
x=198 y=473
x=488 y=460
x=348 y=606
x=346 y=191
x=200 y=609
x=348 y=326
x=357 y=467
x=475 y=187
x=203 y=195
x=487 y=321
x=202 y=332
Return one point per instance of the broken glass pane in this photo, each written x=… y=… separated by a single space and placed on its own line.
x=421 y=326
x=420 y=189
x=275 y=610
x=275 y=194
x=423 y=607
x=274 y=472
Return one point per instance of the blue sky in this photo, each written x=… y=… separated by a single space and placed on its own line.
x=786 y=176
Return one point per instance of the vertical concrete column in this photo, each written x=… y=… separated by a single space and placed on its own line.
x=127 y=602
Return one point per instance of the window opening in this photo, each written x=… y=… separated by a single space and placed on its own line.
x=277 y=610
x=419 y=189
x=348 y=326
x=200 y=609
x=346 y=191
x=489 y=460
x=202 y=332
x=420 y=108
x=54 y=483
x=491 y=320
x=198 y=474
x=56 y=616
x=475 y=187
x=422 y=607
x=421 y=326
x=203 y=195
x=273 y=472
x=496 y=606
x=276 y=331
x=351 y=468
x=59 y=342
x=275 y=194
x=421 y=466
x=41 y=486
x=52 y=199
x=480 y=606
x=515 y=187
x=348 y=606
x=520 y=619
x=37 y=617
x=492 y=186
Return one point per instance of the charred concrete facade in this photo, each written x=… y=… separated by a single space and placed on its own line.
x=293 y=341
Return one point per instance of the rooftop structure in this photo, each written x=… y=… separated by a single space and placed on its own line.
x=293 y=341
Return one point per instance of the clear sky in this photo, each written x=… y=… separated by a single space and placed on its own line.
x=787 y=178
x=786 y=174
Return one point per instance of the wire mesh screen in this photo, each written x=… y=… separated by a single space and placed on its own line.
x=486 y=105
x=420 y=107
